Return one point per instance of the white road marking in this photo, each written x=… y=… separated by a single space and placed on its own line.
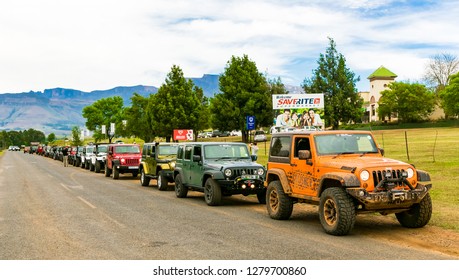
x=65 y=187
x=86 y=202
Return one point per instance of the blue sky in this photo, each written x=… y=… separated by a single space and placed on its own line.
x=100 y=44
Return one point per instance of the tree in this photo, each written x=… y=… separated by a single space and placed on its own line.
x=104 y=112
x=411 y=102
x=76 y=133
x=176 y=105
x=51 y=137
x=138 y=119
x=439 y=70
x=450 y=96
x=244 y=92
x=32 y=135
x=16 y=138
x=338 y=83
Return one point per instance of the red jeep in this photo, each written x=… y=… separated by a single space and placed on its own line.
x=122 y=158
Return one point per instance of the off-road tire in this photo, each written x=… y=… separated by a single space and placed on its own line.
x=180 y=190
x=144 y=180
x=262 y=197
x=92 y=167
x=97 y=167
x=82 y=165
x=212 y=192
x=418 y=215
x=116 y=173
x=162 y=181
x=279 y=205
x=336 y=211
x=107 y=171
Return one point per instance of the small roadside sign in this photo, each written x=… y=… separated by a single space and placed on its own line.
x=250 y=121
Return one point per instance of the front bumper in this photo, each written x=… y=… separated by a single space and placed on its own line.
x=391 y=199
x=127 y=168
x=243 y=185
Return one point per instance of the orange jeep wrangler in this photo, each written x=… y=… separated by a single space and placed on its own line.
x=344 y=173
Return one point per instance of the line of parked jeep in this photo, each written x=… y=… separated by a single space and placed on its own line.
x=343 y=172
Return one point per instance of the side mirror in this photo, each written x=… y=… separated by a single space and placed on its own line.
x=110 y=152
x=304 y=154
x=196 y=158
x=254 y=157
x=381 y=151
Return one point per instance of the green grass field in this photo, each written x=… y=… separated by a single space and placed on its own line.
x=435 y=150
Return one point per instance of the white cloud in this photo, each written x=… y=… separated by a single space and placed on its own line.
x=100 y=44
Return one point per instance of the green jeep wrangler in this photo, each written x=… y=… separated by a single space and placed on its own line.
x=218 y=169
x=158 y=162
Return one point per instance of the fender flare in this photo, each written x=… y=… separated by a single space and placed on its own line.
x=277 y=174
x=423 y=176
x=346 y=180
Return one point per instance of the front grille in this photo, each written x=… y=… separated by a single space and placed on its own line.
x=133 y=161
x=245 y=171
x=238 y=172
x=378 y=176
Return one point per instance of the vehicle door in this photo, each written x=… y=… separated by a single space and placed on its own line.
x=196 y=168
x=186 y=164
x=302 y=179
x=152 y=159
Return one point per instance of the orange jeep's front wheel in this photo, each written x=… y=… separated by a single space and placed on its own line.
x=418 y=215
x=336 y=211
x=279 y=205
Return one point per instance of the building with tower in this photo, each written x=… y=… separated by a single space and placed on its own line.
x=379 y=81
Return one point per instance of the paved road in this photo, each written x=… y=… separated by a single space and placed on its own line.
x=51 y=212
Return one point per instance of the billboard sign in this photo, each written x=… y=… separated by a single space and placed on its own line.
x=183 y=134
x=298 y=101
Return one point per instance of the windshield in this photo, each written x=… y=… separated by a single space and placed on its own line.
x=167 y=150
x=225 y=151
x=102 y=149
x=127 y=150
x=345 y=144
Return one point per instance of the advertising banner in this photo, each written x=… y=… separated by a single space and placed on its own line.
x=298 y=101
x=304 y=111
x=183 y=134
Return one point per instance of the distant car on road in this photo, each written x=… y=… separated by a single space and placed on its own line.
x=218 y=133
x=236 y=133
x=260 y=136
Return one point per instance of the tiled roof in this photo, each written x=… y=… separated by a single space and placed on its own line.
x=382 y=72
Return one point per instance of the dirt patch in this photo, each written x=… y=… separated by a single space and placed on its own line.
x=430 y=238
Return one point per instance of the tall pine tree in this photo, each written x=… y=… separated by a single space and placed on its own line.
x=178 y=104
x=342 y=101
x=244 y=92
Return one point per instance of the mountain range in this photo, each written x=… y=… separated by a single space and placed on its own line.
x=58 y=110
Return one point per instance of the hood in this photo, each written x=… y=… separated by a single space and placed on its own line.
x=219 y=164
x=359 y=162
x=167 y=158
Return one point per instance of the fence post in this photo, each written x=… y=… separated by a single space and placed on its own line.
x=406 y=144
x=435 y=144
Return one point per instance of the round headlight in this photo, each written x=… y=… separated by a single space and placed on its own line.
x=228 y=172
x=173 y=164
x=261 y=171
x=410 y=172
x=364 y=175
